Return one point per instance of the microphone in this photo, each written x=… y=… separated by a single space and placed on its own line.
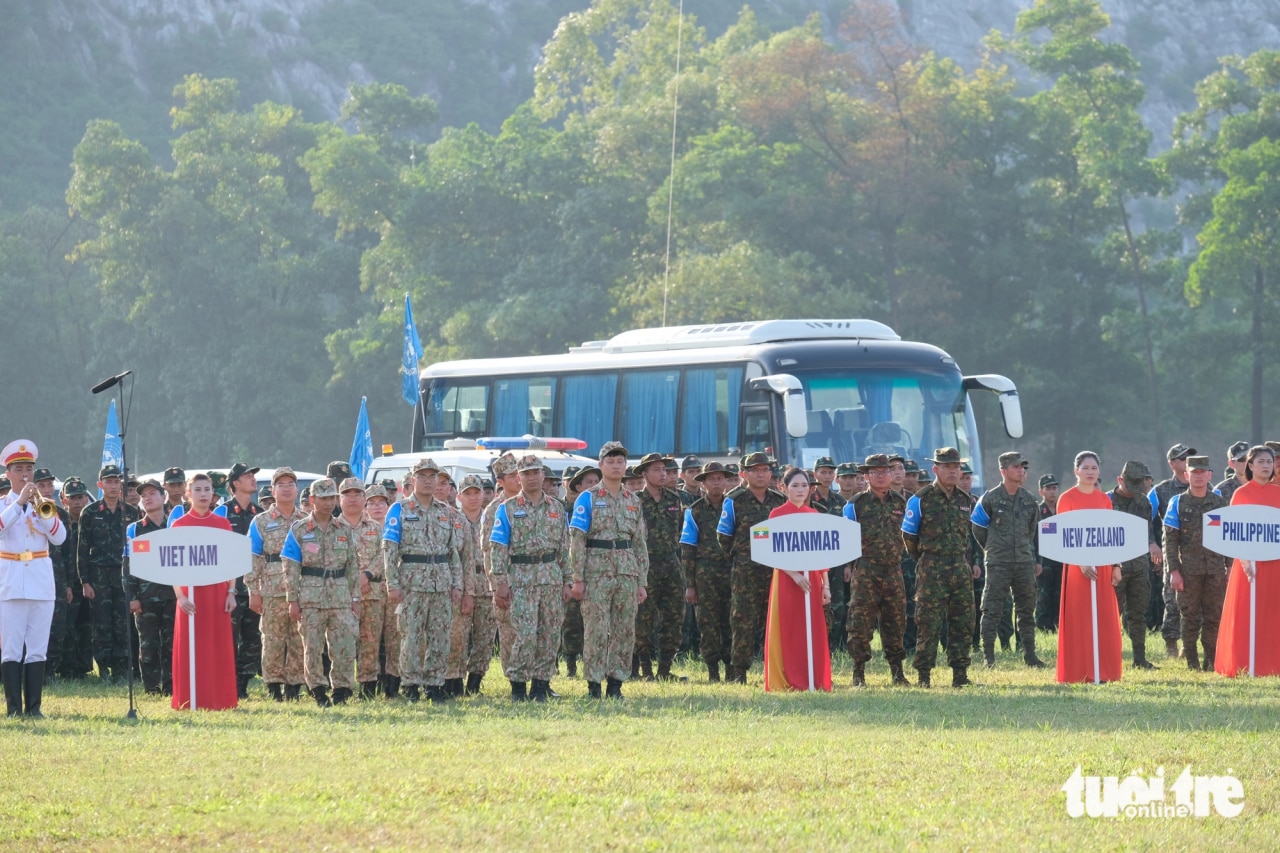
x=109 y=383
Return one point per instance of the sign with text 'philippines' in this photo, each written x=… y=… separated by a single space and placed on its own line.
x=189 y=556
x=1093 y=537
x=806 y=541
x=1244 y=531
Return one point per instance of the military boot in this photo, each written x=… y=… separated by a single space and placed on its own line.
x=321 y=696
x=989 y=653
x=635 y=666
x=292 y=692
x=412 y=693
x=571 y=664
x=713 y=672
x=453 y=686
x=1140 y=661
x=899 y=680
x=1032 y=661
x=860 y=675
x=242 y=686
x=960 y=676
x=519 y=691
x=33 y=684
x=613 y=690
x=538 y=692
x=391 y=686
x=1171 y=648
x=473 y=683
x=341 y=695
x=646 y=668
x=593 y=690
x=1192 y=658
x=12 y=673
x=276 y=691
x=368 y=690
x=922 y=678
x=1210 y=655
x=438 y=694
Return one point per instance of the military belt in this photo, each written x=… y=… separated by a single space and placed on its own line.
x=609 y=544
x=375 y=578
x=424 y=558
x=271 y=558
x=323 y=573
x=534 y=559
x=23 y=556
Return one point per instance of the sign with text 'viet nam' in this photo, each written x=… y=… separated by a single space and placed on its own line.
x=806 y=541
x=1093 y=537
x=1244 y=531
x=189 y=556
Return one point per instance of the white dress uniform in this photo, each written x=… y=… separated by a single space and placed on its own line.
x=26 y=576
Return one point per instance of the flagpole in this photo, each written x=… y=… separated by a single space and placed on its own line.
x=1093 y=600
x=191 y=644
x=808 y=625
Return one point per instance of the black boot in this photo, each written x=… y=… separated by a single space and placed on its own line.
x=922 y=678
x=292 y=692
x=635 y=666
x=989 y=653
x=551 y=694
x=519 y=691
x=899 y=679
x=411 y=692
x=646 y=668
x=12 y=673
x=1210 y=656
x=453 y=686
x=321 y=696
x=473 y=683
x=341 y=695
x=859 y=675
x=571 y=664
x=593 y=690
x=613 y=690
x=1192 y=656
x=538 y=692
x=276 y=691
x=436 y=693
x=368 y=690
x=242 y=686
x=713 y=672
x=960 y=676
x=391 y=686
x=1032 y=661
x=33 y=676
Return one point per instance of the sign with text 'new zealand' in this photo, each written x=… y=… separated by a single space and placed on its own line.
x=806 y=541
x=1244 y=531
x=189 y=556
x=1093 y=537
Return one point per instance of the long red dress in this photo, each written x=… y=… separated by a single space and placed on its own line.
x=786 y=655
x=215 y=650
x=1233 y=631
x=1075 y=613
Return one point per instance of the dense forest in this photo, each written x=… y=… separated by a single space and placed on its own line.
x=250 y=261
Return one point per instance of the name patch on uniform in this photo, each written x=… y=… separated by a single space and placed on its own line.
x=273 y=525
x=311 y=548
x=408 y=517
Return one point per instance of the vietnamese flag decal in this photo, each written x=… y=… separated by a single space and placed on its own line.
x=141 y=546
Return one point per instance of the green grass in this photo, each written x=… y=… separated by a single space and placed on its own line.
x=689 y=766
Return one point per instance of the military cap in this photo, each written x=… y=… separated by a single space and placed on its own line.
x=1198 y=463
x=671 y=463
x=875 y=460
x=1273 y=446
x=375 y=490
x=579 y=474
x=74 y=486
x=425 y=465
x=351 y=484
x=219 y=481
x=175 y=475
x=569 y=471
x=630 y=473
x=5 y=485
x=444 y=476
x=487 y=483
x=895 y=457
x=504 y=465
x=612 y=448
x=751 y=460
x=471 y=481
x=19 y=450
x=264 y=495
x=690 y=462
x=926 y=477
x=148 y=484
x=649 y=459
x=282 y=472
x=946 y=456
x=550 y=475
x=824 y=462
x=529 y=462
x=239 y=469
x=304 y=494
x=911 y=466
x=324 y=488
x=847 y=469
x=389 y=485
x=1012 y=458
x=1047 y=480
x=733 y=468
x=131 y=481
x=711 y=468
x=338 y=470
x=965 y=467
x=109 y=471
x=1134 y=472
x=42 y=474
x=1238 y=451
x=1179 y=451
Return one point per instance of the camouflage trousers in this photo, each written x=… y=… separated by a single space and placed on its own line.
x=1200 y=608
x=537 y=614
x=1049 y=596
x=281 y=643
x=57 y=631
x=248 y=636
x=837 y=612
x=1132 y=594
x=425 y=620
x=1172 y=629
x=110 y=624
x=471 y=639
x=502 y=618
x=608 y=625
x=748 y=604
x=571 y=632
x=155 y=642
x=714 y=597
x=377 y=629
x=999 y=578
x=879 y=596
x=77 y=642
x=337 y=626
x=944 y=596
x=909 y=585
x=660 y=619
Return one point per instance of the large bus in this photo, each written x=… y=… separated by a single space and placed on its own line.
x=797 y=389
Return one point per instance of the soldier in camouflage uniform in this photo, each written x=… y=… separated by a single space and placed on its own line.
x=661 y=614
x=530 y=542
x=423 y=553
x=1134 y=589
x=471 y=639
x=77 y=645
x=99 y=563
x=749 y=581
x=824 y=499
x=281 y=642
x=609 y=564
x=504 y=469
x=44 y=480
x=320 y=565
x=879 y=595
x=366 y=535
x=1004 y=524
x=1198 y=576
x=707 y=568
x=579 y=481
x=239 y=510
x=378 y=649
x=1236 y=455
x=153 y=605
x=1162 y=595
x=1049 y=583
x=935 y=531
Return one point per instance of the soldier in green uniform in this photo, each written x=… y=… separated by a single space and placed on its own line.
x=690 y=489
x=530 y=554
x=878 y=593
x=1049 y=583
x=44 y=480
x=281 y=643
x=659 y=618
x=153 y=605
x=1163 y=607
x=1236 y=455
x=744 y=507
x=77 y=645
x=935 y=531
x=707 y=568
x=1197 y=575
x=101 y=554
x=1133 y=592
x=825 y=499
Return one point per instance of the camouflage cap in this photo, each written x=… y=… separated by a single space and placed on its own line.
x=1012 y=458
x=575 y=480
x=324 y=488
x=630 y=473
x=649 y=459
x=470 y=481
x=238 y=470
x=926 y=477
x=389 y=485
x=690 y=462
x=351 y=484
x=305 y=494
x=487 y=484
x=174 y=475
x=42 y=474
x=264 y=495
x=149 y=484
x=443 y=476
x=550 y=475
x=281 y=473
x=423 y=466
x=875 y=460
x=894 y=457
x=946 y=456
x=847 y=469
x=570 y=470
x=670 y=463
x=504 y=465
x=1198 y=463
x=1179 y=451
x=529 y=462
x=1047 y=480
x=965 y=467
x=219 y=481
x=338 y=470
x=107 y=471
x=751 y=460
x=824 y=462
x=1238 y=451
x=612 y=448
x=1132 y=472
x=5 y=485
x=733 y=468
x=74 y=486
x=711 y=468
x=375 y=490
x=911 y=466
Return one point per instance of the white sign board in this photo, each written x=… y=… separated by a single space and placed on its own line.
x=189 y=556
x=1094 y=537
x=806 y=541
x=1244 y=531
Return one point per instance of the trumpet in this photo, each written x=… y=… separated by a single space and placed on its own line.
x=44 y=507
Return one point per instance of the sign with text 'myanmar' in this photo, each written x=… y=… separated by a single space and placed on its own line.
x=806 y=541
x=1093 y=537
x=1244 y=531
x=189 y=556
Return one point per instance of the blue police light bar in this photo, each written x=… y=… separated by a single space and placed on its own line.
x=530 y=442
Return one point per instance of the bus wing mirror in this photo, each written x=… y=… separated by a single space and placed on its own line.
x=789 y=389
x=1007 y=392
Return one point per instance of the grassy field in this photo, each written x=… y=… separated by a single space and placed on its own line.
x=683 y=766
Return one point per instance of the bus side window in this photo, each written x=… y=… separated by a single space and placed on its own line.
x=755 y=431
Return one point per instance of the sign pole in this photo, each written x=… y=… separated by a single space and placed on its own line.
x=808 y=625
x=191 y=647
x=1093 y=600
x=1253 y=617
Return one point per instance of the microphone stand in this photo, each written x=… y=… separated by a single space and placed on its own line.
x=130 y=629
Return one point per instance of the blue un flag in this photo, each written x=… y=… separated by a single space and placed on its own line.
x=409 y=360
x=362 y=446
